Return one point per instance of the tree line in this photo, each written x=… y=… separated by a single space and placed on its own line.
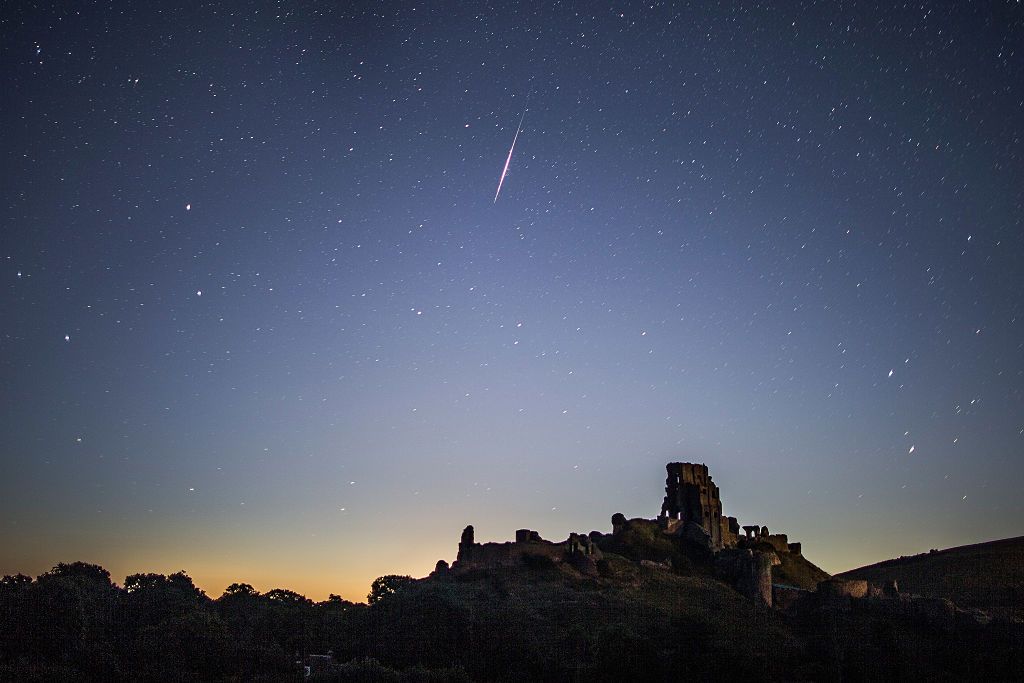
x=73 y=622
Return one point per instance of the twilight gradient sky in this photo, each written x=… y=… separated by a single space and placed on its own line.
x=262 y=321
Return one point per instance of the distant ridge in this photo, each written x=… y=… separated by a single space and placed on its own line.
x=989 y=575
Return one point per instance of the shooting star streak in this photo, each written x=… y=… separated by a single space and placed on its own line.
x=511 y=149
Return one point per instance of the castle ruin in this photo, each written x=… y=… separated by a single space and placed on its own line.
x=691 y=496
x=691 y=516
x=578 y=550
x=691 y=512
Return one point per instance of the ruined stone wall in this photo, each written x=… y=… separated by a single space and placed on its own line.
x=778 y=541
x=510 y=554
x=730 y=531
x=843 y=588
x=749 y=571
x=527 y=544
x=691 y=496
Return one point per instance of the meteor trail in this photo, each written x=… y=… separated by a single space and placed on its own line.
x=509 y=159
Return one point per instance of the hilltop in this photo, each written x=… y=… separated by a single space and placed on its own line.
x=655 y=599
x=987 y=576
x=682 y=595
x=657 y=606
x=548 y=621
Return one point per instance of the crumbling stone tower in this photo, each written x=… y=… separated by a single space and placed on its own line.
x=691 y=496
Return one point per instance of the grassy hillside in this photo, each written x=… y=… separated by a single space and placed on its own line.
x=629 y=616
x=796 y=570
x=552 y=623
x=989 y=576
x=644 y=621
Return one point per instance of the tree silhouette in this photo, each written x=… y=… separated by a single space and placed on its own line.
x=385 y=586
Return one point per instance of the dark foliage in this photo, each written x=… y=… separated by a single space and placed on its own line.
x=72 y=623
x=542 y=621
x=386 y=586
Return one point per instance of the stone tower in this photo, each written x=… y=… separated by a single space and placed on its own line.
x=691 y=496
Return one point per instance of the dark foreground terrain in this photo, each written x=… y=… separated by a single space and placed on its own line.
x=654 y=610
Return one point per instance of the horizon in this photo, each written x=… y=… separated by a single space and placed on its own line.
x=319 y=591
x=292 y=295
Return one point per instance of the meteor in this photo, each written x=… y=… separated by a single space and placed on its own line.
x=509 y=159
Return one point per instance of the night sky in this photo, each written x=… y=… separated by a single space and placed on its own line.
x=263 y=320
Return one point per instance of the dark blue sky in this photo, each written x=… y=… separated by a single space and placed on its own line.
x=263 y=321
